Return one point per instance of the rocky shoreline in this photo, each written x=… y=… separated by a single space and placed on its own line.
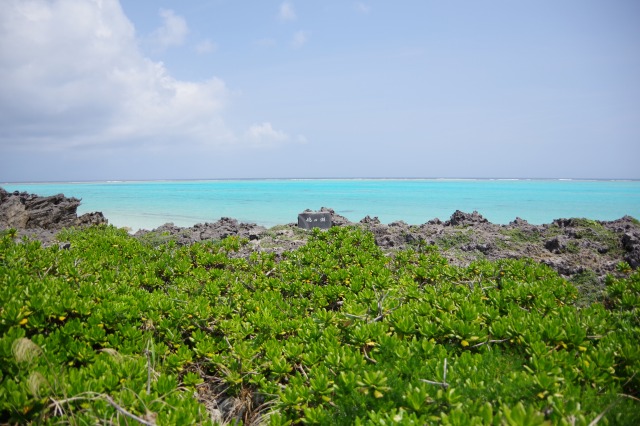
x=576 y=248
x=41 y=218
x=570 y=246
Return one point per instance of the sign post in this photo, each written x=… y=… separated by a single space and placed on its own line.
x=309 y=220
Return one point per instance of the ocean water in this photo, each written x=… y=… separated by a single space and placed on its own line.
x=270 y=202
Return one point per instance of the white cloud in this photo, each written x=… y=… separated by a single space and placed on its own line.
x=173 y=31
x=264 y=133
x=363 y=7
x=72 y=76
x=286 y=12
x=73 y=81
x=206 y=46
x=299 y=39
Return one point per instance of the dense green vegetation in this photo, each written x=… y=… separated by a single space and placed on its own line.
x=113 y=330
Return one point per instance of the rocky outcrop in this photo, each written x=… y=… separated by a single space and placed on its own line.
x=570 y=246
x=42 y=217
x=459 y=218
x=336 y=219
x=223 y=228
x=21 y=210
x=631 y=244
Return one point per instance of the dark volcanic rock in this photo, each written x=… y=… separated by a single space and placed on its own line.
x=223 y=228
x=164 y=233
x=623 y=224
x=570 y=246
x=460 y=218
x=557 y=244
x=336 y=219
x=226 y=227
x=368 y=220
x=631 y=244
x=90 y=219
x=28 y=211
x=40 y=218
x=519 y=222
x=563 y=266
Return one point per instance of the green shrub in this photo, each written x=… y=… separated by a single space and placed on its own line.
x=113 y=330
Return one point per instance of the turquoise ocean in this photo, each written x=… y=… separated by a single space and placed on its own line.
x=269 y=202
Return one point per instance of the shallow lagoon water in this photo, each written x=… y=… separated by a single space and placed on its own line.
x=268 y=202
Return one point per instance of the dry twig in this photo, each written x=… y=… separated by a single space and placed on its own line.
x=443 y=383
x=91 y=396
x=489 y=341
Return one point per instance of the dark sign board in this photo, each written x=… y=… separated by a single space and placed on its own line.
x=308 y=220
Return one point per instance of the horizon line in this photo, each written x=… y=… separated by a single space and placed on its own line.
x=318 y=178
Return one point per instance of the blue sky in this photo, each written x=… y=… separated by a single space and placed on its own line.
x=160 y=89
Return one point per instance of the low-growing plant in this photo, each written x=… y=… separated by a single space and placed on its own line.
x=456 y=238
x=156 y=238
x=518 y=236
x=590 y=287
x=113 y=330
x=573 y=247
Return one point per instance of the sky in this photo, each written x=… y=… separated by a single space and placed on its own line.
x=213 y=89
